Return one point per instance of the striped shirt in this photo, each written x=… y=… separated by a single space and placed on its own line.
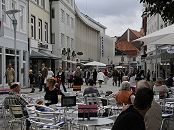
x=15 y=99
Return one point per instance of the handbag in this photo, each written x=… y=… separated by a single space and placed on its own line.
x=76 y=87
x=87 y=111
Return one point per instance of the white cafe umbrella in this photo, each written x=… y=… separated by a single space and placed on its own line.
x=95 y=63
x=119 y=67
x=162 y=36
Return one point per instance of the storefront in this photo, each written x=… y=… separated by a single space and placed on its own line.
x=7 y=57
x=37 y=58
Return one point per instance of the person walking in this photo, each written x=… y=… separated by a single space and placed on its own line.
x=148 y=75
x=100 y=78
x=87 y=76
x=44 y=72
x=32 y=80
x=10 y=74
x=115 y=75
x=61 y=77
x=78 y=79
x=94 y=76
x=106 y=76
x=50 y=73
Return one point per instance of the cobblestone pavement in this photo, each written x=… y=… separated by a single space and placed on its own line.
x=104 y=88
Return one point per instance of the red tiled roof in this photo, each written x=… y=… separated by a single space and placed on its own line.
x=138 y=34
x=127 y=48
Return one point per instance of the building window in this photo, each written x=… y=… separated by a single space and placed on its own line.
x=62 y=40
x=46 y=32
x=53 y=38
x=1 y=75
x=24 y=55
x=62 y=15
x=72 y=22
x=72 y=3
x=161 y=26
x=40 y=29
x=33 y=27
x=22 y=17
x=37 y=2
x=134 y=58
x=13 y=4
x=53 y=13
x=72 y=42
x=43 y=3
x=3 y=13
x=67 y=19
x=68 y=42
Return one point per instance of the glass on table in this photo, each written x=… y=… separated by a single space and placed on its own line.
x=59 y=98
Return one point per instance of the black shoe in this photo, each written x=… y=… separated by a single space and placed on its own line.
x=32 y=91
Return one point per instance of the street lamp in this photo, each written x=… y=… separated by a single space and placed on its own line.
x=14 y=22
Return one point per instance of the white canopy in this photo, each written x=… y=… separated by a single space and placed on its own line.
x=119 y=67
x=162 y=36
x=95 y=63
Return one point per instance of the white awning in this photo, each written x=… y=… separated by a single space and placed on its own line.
x=162 y=36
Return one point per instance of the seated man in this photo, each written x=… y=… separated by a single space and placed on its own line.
x=151 y=122
x=133 y=117
x=124 y=95
x=91 y=89
x=15 y=99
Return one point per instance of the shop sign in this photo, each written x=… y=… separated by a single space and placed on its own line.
x=170 y=50
x=45 y=46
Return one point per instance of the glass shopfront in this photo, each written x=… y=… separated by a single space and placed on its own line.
x=10 y=59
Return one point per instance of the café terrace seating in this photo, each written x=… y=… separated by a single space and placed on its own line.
x=58 y=117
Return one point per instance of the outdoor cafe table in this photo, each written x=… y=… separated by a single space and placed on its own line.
x=93 y=122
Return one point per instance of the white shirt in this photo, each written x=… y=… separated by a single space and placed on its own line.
x=50 y=74
x=101 y=76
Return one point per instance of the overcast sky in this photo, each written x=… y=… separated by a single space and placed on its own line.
x=116 y=15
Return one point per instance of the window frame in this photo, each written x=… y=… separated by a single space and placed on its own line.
x=62 y=15
x=33 y=31
x=3 y=7
x=46 y=31
x=22 y=19
x=40 y=29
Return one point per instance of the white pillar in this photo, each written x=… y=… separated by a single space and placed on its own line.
x=3 y=67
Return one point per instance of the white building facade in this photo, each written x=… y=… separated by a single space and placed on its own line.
x=89 y=37
x=107 y=52
x=63 y=31
x=7 y=41
x=40 y=35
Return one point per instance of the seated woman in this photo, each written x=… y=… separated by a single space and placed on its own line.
x=124 y=95
x=160 y=88
x=91 y=88
x=52 y=92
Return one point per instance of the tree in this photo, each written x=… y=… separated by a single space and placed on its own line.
x=163 y=7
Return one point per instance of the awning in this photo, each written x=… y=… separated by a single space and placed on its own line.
x=70 y=61
x=162 y=36
x=50 y=55
x=42 y=55
x=35 y=54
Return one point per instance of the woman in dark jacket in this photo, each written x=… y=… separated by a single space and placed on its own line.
x=52 y=92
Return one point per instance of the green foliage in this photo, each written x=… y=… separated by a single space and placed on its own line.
x=163 y=7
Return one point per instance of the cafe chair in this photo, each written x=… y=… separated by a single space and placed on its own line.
x=17 y=116
x=165 y=124
x=38 y=123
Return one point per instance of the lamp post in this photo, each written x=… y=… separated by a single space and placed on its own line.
x=14 y=22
